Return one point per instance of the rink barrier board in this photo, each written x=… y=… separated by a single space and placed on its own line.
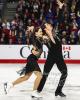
x=40 y=61
x=19 y=53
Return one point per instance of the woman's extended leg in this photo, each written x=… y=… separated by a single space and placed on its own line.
x=21 y=79
x=8 y=86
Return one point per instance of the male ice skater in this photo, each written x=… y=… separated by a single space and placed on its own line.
x=55 y=56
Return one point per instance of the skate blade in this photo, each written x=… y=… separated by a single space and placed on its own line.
x=5 y=85
x=36 y=97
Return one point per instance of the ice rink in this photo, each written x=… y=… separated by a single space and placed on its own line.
x=23 y=91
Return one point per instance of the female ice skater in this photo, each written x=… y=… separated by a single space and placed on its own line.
x=31 y=67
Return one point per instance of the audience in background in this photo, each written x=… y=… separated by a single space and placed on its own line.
x=34 y=13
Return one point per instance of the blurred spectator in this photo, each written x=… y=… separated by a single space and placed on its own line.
x=12 y=37
x=0 y=26
x=21 y=36
x=64 y=42
x=79 y=36
x=4 y=39
x=12 y=1
x=73 y=38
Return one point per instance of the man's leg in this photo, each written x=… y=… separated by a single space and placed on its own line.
x=47 y=68
x=63 y=69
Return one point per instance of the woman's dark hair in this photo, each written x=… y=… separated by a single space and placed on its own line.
x=36 y=49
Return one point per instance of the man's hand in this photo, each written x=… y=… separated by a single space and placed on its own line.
x=60 y=4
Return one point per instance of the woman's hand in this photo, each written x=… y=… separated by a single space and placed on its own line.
x=45 y=37
x=39 y=34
